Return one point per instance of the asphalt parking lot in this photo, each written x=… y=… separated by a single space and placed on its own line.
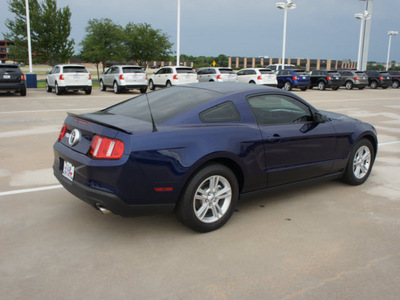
x=321 y=241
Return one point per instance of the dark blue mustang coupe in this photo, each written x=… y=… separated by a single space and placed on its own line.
x=194 y=149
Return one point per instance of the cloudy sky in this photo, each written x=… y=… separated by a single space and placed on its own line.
x=316 y=28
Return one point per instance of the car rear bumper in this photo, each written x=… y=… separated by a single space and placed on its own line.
x=134 y=86
x=97 y=198
x=12 y=86
x=75 y=87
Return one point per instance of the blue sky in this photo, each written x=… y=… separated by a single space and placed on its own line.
x=316 y=28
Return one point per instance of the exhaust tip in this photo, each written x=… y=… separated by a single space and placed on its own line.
x=104 y=210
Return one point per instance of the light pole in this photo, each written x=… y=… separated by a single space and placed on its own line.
x=366 y=35
x=390 y=33
x=178 y=41
x=361 y=16
x=285 y=6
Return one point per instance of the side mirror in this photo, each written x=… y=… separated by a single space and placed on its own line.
x=319 y=118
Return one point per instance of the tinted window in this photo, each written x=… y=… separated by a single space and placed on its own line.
x=74 y=69
x=227 y=71
x=184 y=70
x=9 y=69
x=165 y=104
x=225 y=112
x=278 y=109
x=132 y=70
x=241 y=72
x=265 y=71
x=300 y=72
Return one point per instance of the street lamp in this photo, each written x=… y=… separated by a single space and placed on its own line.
x=285 y=6
x=178 y=42
x=390 y=33
x=361 y=16
x=366 y=35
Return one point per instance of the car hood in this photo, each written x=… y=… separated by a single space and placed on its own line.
x=336 y=116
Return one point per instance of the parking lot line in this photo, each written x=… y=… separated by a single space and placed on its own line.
x=38 y=189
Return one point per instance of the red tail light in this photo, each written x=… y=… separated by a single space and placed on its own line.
x=294 y=78
x=121 y=77
x=22 y=77
x=146 y=77
x=62 y=77
x=381 y=78
x=62 y=132
x=356 y=78
x=105 y=148
x=259 y=77
x=219 y=77
x=90 y=77
x=329 y=78
x=175 y=77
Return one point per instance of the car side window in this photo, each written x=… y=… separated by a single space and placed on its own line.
x=114 y=70
x=161 y=71
x=279 y=109
x=201 y=72
x=241 y=72
x=224 y=112
x=53 y=70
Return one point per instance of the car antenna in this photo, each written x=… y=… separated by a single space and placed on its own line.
x=151 y=115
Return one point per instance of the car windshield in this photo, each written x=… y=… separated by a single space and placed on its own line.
x=184 y=70
x=8 y=69
x=227 y=71
x=265 y=71
x=74 y=69
x=132 y=70
x=165 y=104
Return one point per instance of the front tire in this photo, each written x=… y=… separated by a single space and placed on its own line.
x=287 y=86
x=102 y=86
x=395 y=84
x=168 y=84
x=58 y=90
x=48 y=88
x=360 y=163
x=209 y=199
x=335 y=88
x=373 y=85
x=151 y=85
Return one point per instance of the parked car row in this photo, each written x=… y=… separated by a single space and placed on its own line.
x=63 y=78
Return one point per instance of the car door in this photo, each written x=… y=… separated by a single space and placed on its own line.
x=296 y=146
x=52 y=76
x=107 y=77
x=159 y=76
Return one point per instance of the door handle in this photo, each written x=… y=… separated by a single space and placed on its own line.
x=274 y=138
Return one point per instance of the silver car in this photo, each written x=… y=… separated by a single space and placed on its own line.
x=124 y=78
x=216 y=75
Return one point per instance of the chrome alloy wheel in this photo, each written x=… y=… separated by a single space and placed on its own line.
x=361 y=162
x=212 y=199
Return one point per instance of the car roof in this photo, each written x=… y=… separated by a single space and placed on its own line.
x=70 y=66
x=228 y=87
x=129 y=66
x=8 y=65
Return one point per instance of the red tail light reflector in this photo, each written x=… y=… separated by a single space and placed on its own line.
x=62 y=77
x=259 y=77
x=294 y=78
x=22 y=77
x=121 y=77
x=356 y=78
x=90 y=77
x=329 y=78
x=381 y=78
x=62 y=132
x=106 y=148
x=219 y=77
x=176 y=77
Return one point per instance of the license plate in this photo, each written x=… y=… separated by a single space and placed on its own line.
x=68 y=171
x=6 y=76
x=304 y=77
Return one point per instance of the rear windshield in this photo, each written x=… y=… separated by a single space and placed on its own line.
x=8 y=69
x=184 y=70
x=75 y=70
x=360 y=73
x=300 y=72
x=227 y=71
x=265 y=71
x=333 y=72
x=165 y=104
x=132 y=70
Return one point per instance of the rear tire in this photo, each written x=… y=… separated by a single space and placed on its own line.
x=23 y=92
x=58 y=90
x=151 y=85
x=321 y=86
x=303 y=89
x=360 y=163
x=88 y=90
x=168 y=84
x=349 y=85
x=143 y=91
x=335 y=88
x=209 y=199
x=116 y=88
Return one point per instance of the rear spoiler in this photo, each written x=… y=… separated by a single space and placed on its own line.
x=87 y=118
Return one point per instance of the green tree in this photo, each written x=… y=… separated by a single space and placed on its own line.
x=50 y=31
x=142 y=43
x=102 y=42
